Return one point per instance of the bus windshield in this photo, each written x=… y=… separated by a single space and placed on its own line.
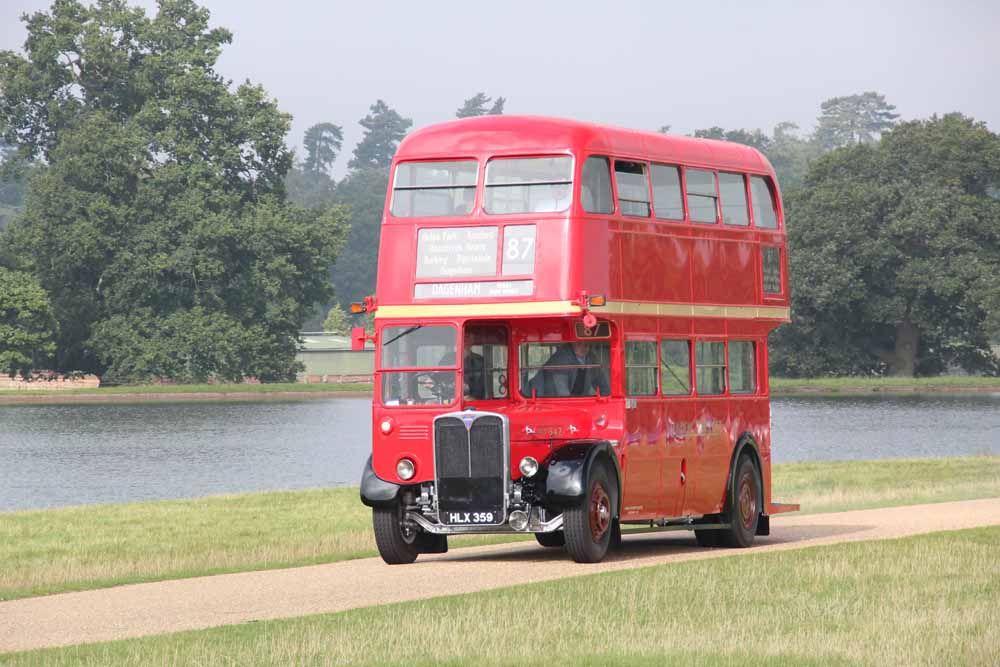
x=418 y=347
x=434 y=189
x=560 y=369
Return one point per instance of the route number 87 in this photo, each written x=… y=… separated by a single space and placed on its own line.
x=519 y=248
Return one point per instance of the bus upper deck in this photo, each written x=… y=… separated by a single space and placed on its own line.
x=655 y=223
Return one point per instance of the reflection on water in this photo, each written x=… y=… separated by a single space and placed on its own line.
x=79 y=454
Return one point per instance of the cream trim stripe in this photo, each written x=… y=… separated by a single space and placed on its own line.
x=572 y=308
x=694 y=310
x=464 y=310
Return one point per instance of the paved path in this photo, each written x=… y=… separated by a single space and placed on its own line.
x=171 y=606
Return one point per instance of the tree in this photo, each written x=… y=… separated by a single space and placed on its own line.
x=755 y=138
x=790 y=155
x=384 y=129
x=854 y=119
x=477 y=105
x=13 y=186
x=664 y=129
x=26 y=323
x=337 y=321
x=310 y=185
x=363 y=194
x=894 y=249
x=322 y=143
x=158 y=222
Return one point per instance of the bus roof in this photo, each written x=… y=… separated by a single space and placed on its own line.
x=540 y=134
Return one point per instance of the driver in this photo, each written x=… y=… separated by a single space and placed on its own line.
x=441 y=383
x=568 y=381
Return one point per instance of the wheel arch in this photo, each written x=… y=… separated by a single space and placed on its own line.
x=568 y=470
x=375 y=491
x=746 y=443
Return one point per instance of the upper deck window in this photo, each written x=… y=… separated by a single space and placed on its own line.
x=633 y=188
x=595 y=190
x=667 y=192
x=763 y=203
x=702 y=195
x=733 y=191
x=434 y=189
x=528 y=185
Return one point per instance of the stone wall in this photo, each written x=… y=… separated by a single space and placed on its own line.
x=50 y=381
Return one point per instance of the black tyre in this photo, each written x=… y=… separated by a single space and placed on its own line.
x=556 y=539
x=397 y=544
x=707 y=538
x=616 y=535
x=589 y=525
x=743 y=505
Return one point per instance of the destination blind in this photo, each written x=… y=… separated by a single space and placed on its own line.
x=471 y=252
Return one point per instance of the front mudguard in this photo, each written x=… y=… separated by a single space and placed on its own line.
x=375 y=491
x=568 y=470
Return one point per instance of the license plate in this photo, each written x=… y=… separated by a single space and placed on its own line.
x=471 y=518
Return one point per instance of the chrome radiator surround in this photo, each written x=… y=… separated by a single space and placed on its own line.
x=468 y=418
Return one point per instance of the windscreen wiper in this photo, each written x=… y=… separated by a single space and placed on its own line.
x=401 y=334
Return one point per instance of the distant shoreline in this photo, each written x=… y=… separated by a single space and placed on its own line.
x=780 y=387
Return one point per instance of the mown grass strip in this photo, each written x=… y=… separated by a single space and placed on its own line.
x=50 y=551
x=155 y=389
x=925 y=600
x=855 y=385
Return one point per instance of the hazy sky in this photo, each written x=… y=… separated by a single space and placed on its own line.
x=636 y=64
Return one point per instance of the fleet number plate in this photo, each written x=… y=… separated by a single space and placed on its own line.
x=471 y=517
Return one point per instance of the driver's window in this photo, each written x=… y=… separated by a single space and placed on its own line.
x=484 y=362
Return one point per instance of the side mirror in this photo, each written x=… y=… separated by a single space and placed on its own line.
x=358 y=338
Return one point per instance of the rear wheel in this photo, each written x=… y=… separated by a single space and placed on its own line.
x=554 y=539
x=397 y=543
x=743 y=506
x=589 y=525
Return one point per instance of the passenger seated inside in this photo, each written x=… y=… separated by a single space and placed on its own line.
x=572 y=370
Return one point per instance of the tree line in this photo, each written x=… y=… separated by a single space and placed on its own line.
x=154 y=223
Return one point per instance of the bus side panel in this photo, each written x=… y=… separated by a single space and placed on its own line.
x=643 y=460
x=669 y=281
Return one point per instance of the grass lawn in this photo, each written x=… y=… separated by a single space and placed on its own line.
x=925 y=600
x=946 y=383
x=49 y=551
x=275 y=388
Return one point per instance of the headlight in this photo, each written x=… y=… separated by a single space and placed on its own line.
x=528 y=466
x=386 y=426
x=405 y=468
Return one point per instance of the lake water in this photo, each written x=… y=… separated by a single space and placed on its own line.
x=56 y=455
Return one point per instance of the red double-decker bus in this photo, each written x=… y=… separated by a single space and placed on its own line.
x=571 y=329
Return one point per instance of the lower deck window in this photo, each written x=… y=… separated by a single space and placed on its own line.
x=640 y=368
x=418 y=364
x=565 y=369
x=742 y=369
x=675 y=367
x=710 y=368
x=418 y=388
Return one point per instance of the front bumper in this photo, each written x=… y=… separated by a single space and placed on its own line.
x=535 y=525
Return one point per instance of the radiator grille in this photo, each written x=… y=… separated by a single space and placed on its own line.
x=470 y=465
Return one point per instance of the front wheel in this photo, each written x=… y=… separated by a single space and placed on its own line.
x=554 y=539
x=743 y=506
x=396 y=542
x=589 y=526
